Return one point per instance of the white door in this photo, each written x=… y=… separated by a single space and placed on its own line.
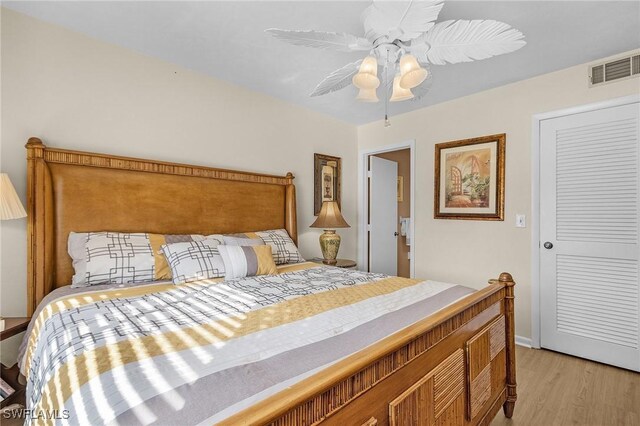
x=383 y=216
x=589 y=235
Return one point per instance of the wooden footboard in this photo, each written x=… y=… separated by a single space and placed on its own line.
x=456 y=367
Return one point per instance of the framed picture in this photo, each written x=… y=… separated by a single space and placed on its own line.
x=469 y=179
x=400 y=189
x=327 y=174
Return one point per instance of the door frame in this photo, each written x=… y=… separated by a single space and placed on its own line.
x=536 y=121
x=363 y=202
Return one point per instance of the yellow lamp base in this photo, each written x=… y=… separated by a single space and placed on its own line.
x=330 y=244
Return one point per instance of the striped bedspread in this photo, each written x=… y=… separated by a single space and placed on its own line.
x=200 y=352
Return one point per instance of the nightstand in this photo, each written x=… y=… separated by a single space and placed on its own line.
x=13 y=326
x=341 y=263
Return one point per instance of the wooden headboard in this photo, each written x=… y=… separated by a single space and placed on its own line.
x=84 y=192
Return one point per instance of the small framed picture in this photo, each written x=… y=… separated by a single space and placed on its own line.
x=327 y=173
x=400 y=189
x=469 y=179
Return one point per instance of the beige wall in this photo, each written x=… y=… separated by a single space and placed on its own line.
x=470 y=252
x=403 y=158
x=79 y=93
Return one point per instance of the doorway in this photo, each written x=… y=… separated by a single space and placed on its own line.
x=387 y=206
x=588 y=241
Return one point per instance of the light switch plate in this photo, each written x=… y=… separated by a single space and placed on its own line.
x=521 y=221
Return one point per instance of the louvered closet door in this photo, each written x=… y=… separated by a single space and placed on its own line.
x=589 y=225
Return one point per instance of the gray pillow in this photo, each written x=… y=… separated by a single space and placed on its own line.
x=242 y=241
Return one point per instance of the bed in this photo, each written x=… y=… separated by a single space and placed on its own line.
x=311 y=344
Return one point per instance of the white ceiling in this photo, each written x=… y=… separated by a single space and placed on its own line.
x=226 y=40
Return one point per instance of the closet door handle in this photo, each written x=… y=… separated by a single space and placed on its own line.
x=548 y=245
x=395 y=234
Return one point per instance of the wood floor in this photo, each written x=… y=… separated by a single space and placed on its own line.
x=556 y=389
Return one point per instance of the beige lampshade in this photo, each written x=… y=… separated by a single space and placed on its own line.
x=367 y=76
x=10 y=205
x=330 y=217
x=399 y=94
x=367 y=95
x=412 y=74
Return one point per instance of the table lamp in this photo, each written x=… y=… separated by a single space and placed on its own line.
x=10 y=208
x=330 y=217
x=10 y=205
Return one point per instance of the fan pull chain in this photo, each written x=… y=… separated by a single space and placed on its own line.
x=387 y=123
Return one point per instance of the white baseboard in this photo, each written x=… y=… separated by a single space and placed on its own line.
x=523 y=341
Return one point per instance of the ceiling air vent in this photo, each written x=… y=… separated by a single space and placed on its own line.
x=618 y=69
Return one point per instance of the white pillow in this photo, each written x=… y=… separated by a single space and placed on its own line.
x=76 y=247
x=195 y=260
x=111 y=258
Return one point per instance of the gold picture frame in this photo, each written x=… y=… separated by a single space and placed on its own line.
x=400 y=189
x=326 y=180
x=469 y=179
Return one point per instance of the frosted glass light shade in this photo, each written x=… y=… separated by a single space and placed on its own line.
x=399 y=94
x=369 y=65
x=365 y=81
x=367 y=95
x=367 y=76
x=411 y=73
x=10 y=205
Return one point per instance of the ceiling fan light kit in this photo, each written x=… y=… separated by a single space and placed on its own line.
x=402 y=36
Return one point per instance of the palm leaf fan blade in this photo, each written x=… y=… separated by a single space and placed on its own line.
x=341 y=42
x=465 y=41
x=337 y=80
x=400 y=19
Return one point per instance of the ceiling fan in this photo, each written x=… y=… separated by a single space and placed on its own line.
x=403 y=39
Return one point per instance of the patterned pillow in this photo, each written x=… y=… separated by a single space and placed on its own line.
x=283 y=247
x=115 y=257
x=195 y=260
x=247 y=261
